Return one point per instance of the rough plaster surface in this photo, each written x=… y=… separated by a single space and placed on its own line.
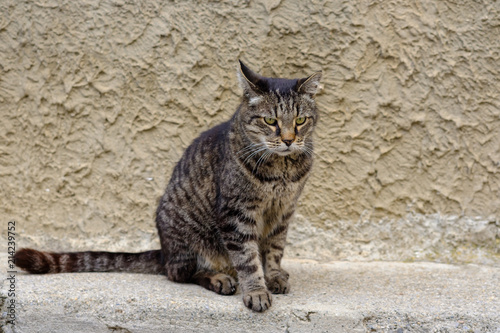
x=98 y=100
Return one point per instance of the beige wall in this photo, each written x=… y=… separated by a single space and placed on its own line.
x=98 y=99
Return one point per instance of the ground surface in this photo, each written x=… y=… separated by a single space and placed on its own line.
x=334 y=297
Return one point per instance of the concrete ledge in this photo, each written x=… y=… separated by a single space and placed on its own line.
x=332 y=297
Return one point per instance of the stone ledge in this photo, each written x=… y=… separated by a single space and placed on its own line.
x=325 y=297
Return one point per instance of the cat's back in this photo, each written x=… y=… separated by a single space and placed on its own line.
x=193 y=183
x=205 y=152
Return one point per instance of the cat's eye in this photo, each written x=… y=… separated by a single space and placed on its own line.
x=300 y=120
x=270 y=121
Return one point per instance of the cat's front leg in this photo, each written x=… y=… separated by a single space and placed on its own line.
x=240 y=239
x=272 y=248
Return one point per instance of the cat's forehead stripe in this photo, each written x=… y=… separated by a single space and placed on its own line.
x=285 y=105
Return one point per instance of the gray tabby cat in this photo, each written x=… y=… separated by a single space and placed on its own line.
x=225 y=213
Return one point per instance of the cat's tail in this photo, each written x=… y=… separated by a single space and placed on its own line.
x=39 y=262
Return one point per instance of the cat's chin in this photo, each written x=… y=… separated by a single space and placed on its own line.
x=284 y=152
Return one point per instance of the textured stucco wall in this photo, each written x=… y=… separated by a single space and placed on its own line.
x=98 y=99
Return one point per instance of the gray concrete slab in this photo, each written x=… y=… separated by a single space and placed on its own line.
x=325 y=297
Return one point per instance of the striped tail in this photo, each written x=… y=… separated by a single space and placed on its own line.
x=38 y=262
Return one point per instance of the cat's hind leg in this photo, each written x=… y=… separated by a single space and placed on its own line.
x=216 y=274
x=180 y=266
x=185 y=267
x=220 y=283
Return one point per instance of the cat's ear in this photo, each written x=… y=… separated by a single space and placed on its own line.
x=309 y=85
x=249 y=81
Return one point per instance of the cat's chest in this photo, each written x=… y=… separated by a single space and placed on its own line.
x=279 y=198
x=279 y=189
x=280 y=194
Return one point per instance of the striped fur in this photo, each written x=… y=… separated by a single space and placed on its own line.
x=224 y=216
x=38 y=262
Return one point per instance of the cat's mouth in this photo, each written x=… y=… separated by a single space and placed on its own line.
x=285 y=151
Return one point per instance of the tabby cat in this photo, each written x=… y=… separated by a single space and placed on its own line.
x=225 y=213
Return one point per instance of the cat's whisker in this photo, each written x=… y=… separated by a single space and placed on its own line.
x=262 y=160
x=250 y=147
x=308 y=148
x=250 y=154
x=256 y=167
x=309 y=151
x=251 y=150
x=253 y=154
x=268 y=156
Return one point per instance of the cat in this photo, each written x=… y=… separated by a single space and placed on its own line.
x=224 y=217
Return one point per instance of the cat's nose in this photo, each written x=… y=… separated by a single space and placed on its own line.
x=287 y=142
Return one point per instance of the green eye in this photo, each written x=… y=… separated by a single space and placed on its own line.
x=270 y=121
x=300 y=120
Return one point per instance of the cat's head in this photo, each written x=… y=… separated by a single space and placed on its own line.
x=279 y=114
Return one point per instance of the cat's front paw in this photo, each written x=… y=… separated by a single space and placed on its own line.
x=258 y=300
x=278 y=284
